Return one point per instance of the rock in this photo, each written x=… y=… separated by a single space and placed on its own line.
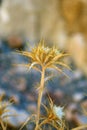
x=17 y=118
x=71 y=11
x=21 y=84
x=77 y=74
x=32 y=108
x=58 y=94
x=77 y=97
x=84 y=103
x=15 y=42
x=71 y=111
x=77 y=48
x=2 y=92
x=82 y=119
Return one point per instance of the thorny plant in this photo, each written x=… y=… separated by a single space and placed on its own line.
x=54 y=116
x=42 y=58
x=4 y=113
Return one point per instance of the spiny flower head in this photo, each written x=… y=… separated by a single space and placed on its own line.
x=58 y=111
x=44 y=54
x=55 y=111
x=47 y=57
x=54 y=115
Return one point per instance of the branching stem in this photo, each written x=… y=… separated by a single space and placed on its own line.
x=40 y=97
x=2 y=125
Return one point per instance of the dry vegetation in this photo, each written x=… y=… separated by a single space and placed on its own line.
x=42 y=58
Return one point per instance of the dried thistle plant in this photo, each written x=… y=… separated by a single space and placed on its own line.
x=54 y=116
x=4 y=112
x=41 y=58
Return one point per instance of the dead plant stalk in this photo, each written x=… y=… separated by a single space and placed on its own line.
x=40 y=96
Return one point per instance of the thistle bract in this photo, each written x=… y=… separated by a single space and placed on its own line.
x=44 y=56
x=58 y=111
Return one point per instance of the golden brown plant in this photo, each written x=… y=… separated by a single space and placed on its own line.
x=41 y=58
x=4 y=113
x=54 y=116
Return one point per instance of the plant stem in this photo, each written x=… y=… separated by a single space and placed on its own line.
x=40 y=97
x=43 y=122
x=80 y=127
x=2 y=125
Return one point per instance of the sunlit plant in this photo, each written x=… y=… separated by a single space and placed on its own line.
x=54 y=116
x=41 y=58
x=4 y=113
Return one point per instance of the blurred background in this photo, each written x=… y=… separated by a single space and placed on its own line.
x=23 y=23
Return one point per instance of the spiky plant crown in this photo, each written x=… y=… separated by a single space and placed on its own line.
x=54 y=116
x=43 y=56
